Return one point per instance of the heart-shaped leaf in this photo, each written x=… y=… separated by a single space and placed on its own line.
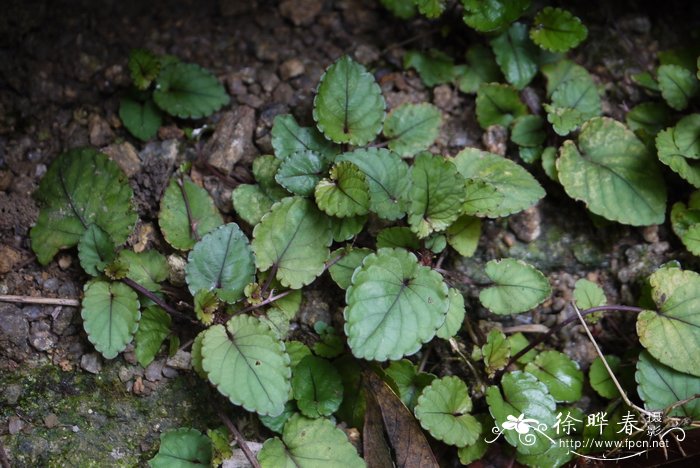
x=678 y=85
x=95 y=250
x=496 y=351
x=516 y=55
x=455 y=315
x=317 y=387
x=289 y=138
x=661 y=386
x=154 y=328
x=141 y=119
x=301 y=171
x=686 y=224
x=562 y=71
x=345 y=193
x=557 y=30
x=248 y=364
x=463 y=235
x=492 y=15
x=148 y=269
x=189 y=91
x=518 y=287
x=143 y=67
x=251 y=203
x=408 y=380
x=411 y=128
x=498 y=104
x=600 y=379
x=559 y=373
x=342 y=270
x=679 y=148
x=182 y=448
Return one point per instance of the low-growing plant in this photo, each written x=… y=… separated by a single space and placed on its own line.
x=362 y=197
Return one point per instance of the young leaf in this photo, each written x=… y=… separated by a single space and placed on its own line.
x=342 y=270
x=346 y=228
x=251 y=203
x=349 y=106
x=387 y=179
x=519 y=287
x=110 y=316
x=600 y=378
x=301 y=171
x=660 y=387
x=434 y=67
x=409 y=382
x=437 y=195
x=646 y=80
x=95 y=250
x=517 y=343
x=197 y=355
x=189 y=91
x=143 y=67
x=394 y=306
x=330 y=344
x=686 y=225
x=443 y=410
x=455 y=315
x=69 y=205
x=436 y=243
x=146 y=268
x=557 y=30
x=492 y=15
x=498 y=104
x=345 y=193
x=276 y=423
x=496 y=186
x=221 y=262
x=411 y=128
x=182 y=448
x=205 y=304
x=678 y=85
x=496 y=351
x=549 y=163
x=289 y=138
x=613 y=173
x=587 y=294
x=573 y=102
x=154 y=328
x=293 y=239
x=309 y=443
x=265 y=169
x=476 y=451
x=141 y=119
x=317 y=387
x=559 y=373
x=187 y=212
x=430 y=8
x=398 y=236
x=528 y=130
x=463 y=235
x=672 y=333
x=562 y=71
x=516 y=55
x=247 y=364
x=481 y=68
x=679 y=148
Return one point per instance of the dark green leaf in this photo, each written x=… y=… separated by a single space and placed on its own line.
x=498 y=104
x=141 y=119
x=182 y=448
x=557 y=30
x=411 y=128
x=300 y=172
x=154 y=328
x=95 y=250
x=433 y=67
x=289 y=138
x=516 y=55
x=143 y=67
x=187 y=90
x=492 y=15
x=317 y=387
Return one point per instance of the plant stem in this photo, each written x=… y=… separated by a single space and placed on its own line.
x=193 y=224
x=40 y=300
x=240 y=440
x=160 y=302
x=265 y=302
x=477 y=377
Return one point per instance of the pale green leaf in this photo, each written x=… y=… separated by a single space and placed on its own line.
x=141 y=119
x=685 y=222
x=251 y=203
x=300 y=172
x=518 y=287
x=557 y=30
x=317 y=387
x=430 y=8
x=154 y=328
x=398 y=236
x=409 y=382
x=434 y=67
x=187 y=90
x=182 y=448
x=562 y=71
x=344 y=193
x=148 y=269
x=528 y=130
x=492 y=15
x=516 y=55
x=342 y=270
x=679 y=148
x=196 y=354
x=600 y=378
x=498 y=104
x=559 y=373
x=496 y=351
x=476 y=451
x=463 y=235
x=530 y=154
x=110 y=313
x=411 y=128
x=661 y=386
x=349 y=106
x=588 y=294
x=573 y=102
x=549 y=163
x=481 y=68
x=455 y=315
x=247 y=364
x=95 y=250
x=678 y=85
x=289 y=138
x=646 y=80
x=394 y=306
x=205 y=305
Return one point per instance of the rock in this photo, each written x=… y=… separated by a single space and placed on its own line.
x=232 y=141
x=170 y=132
x=650 y=234
x=51 y=421
x=234 y=7
x=9 y=257
x=63 y=319
x=51 y=284
x=495 y=139
x=367 y=54
x=99 y=130
x=14 y=332
x=125 y=373
x=11 y=394
x=291 y=68
x=35 y=312
x=238 y=458
x=91 y=362
x=15 y=425
x=176 y=270
x=5 y=180
x=181 y=360
x=40 y=336
x=527 y=225
x=445 y=98
x=314 y=308
x=65 y=261
x=126 y=157
x=169 y=372
x=268 y=80
x=154 y=371
x=301 y=12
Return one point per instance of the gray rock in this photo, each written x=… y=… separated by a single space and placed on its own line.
x=527 y=225
x=181 y=360
x=154 y=371
x=125 y=373
x=14 y=332
x=51 y=284
x=232 y=141
x=11 y=394
x=40 y=336
x=126 y=157
x=91 y=362
x=314 y=308
x=35 y=312
x=301 y=12
x=62 y=319
x=169 y=372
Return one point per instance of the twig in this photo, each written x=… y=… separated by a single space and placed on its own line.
x=40 y=300
x=681 y=403
x=527 y=328
x=265 y=302
x=160 y=302
x=455 y=348
x=4 y=461
x=240 y=440
x=193 y=224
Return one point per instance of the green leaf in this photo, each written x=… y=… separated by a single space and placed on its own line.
x=400 y=8
x=434 y=67
x=398 y=236
x=309 y=443
x=455 y=315
x=349 y=106
x=69 y=205
x=562 y=71
x=411 y=128
x=141 y=119
x=517 y=343
x=110 y=316
x=496 y=351
x=648 y=118
x=481 y=68
x=430 y=8
x=443 y=410
x=394 y=306
x=317 y=387
x=95 y=250
x=197 y=355
x=549 y=163
x=330 y=344
x=293 y=239
x=588 y=294
x=524 y=395
x=516 y=55
x=265 y=169
x=600 y=378
x=297 y=351
x=678 y=85
x=409 y=382
x=437 y=195
x=436 y=243
x=528 y=130
x=143 y=67
x=276 y=423
x=247 y=364
x=387 y=178
x=154 y=328
x=342 y=270
x=557 y=30
x=613 y=173
x=182 y=448
x=251 y=203
x=289 y=138
x=661 y=386
x=498 y=104
x=301 y=171
x=146 y=268
x=679 y=148
x=189 y=91
x=646 y=80
x=492 y=15
x=495 y=186
x=686 y=225
x=476 y=451
x=518 y=287
x=346 y=228
x=345 y=193
x=221 y=262
x=205 y=305
x=530 y=154
x=672 y=333
x=559 y=373
x=573 y=102
x=187 y=212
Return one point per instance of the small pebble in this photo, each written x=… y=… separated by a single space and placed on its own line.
x=91 y=363
x=291 y=68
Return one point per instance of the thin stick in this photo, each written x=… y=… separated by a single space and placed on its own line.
x=527 y=328
x=265 y=302
x=240 y=440
x=681 y=403
x=4 y=461
x=160 y=302
x=455 y=348
x=40 y=300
